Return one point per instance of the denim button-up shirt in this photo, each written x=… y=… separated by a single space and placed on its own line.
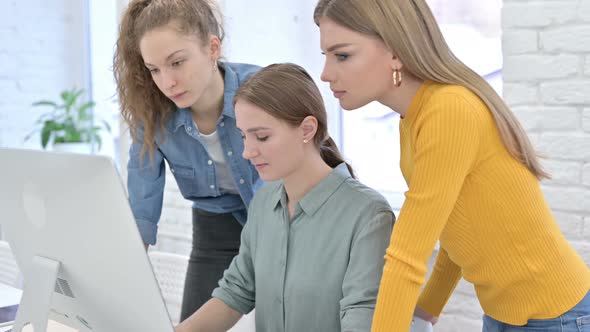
x=318 y=271
x=191 y=165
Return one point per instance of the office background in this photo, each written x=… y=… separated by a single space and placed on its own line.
x=537 y=53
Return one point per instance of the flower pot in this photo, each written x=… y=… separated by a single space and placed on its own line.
x=85 y=148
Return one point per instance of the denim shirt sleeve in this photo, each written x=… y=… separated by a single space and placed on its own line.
x=145 y=184
x=237 y=288
x=361 y=280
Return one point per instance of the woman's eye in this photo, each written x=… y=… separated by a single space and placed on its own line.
x=177 y=63
x=262 y=139
x=342 y=57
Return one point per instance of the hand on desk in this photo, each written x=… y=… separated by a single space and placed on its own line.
x=52 y=326
x=425 y=316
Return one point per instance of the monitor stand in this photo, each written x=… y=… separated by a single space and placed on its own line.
x=38 y=290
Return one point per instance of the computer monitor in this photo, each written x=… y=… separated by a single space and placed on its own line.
x=68 y=221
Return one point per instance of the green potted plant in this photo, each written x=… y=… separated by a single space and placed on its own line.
x=69 y=125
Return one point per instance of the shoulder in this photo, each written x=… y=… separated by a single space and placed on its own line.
x=451 y=106
x=363 y=198
x=361 y=209
x=453 y=98
x=243 y=70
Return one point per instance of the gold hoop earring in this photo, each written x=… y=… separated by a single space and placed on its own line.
x=397 y=77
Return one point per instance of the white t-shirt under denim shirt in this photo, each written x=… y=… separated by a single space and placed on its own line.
x=225 y=181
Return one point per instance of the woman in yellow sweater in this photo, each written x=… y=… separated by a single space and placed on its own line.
x=472 y=174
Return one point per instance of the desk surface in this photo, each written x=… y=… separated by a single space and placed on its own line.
x=10 y=296
x=51 y=327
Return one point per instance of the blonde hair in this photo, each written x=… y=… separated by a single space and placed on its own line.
x=142 y=104
x=288 y=93
x=409 y=29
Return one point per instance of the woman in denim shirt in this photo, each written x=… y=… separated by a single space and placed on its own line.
x=177 y=98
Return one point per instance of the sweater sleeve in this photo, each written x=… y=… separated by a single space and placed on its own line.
x=445 y=139
x=443 y=280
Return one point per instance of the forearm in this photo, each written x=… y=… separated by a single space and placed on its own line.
x=213 y=316
x=398 y=293
x=146 y=178
x=441 y=284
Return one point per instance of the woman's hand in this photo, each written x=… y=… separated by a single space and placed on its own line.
x=213 y=316
x=426 y=316
x=179 y=328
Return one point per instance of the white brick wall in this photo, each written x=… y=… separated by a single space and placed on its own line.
x=586 y=120
x=546 y=47
x=42 y=53
x=549 y=89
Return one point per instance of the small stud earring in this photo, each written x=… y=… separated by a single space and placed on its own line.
x=305 y=141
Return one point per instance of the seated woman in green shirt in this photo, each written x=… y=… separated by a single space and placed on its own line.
x=311 y=255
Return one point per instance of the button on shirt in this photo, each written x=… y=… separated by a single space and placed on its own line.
x=320 y=269
x=186 y=154
x=224 y=179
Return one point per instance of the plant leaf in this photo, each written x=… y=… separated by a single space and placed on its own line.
x=70 y=97
x=29 y=135
x=72 y=134
x=98 y=140
x=106 y=125
x=83 y=113
x=70 y=121
x=46 y=133
x=45 y=103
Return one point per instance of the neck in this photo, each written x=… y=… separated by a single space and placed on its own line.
x=311 y=172
x=210 y=104
x=399 y=98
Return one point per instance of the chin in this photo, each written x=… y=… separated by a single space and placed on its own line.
x=350 y=106
x=269 y=177
x=185 y=103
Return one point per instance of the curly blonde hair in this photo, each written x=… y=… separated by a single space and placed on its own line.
x=143 y=105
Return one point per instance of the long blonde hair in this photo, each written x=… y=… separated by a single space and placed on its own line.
x=143 y=105
x=288 y=93
x=408 y=28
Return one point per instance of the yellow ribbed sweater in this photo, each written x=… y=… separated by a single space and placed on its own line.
x=487 y=210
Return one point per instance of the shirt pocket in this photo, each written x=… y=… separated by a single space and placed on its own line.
x=583 y=323
x=185 y=178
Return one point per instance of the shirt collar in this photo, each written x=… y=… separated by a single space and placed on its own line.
x=183 y=116
x=319 y=194
x=230 y=88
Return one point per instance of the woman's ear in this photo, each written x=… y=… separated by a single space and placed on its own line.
x=214 y=47
x=395 y=62
x=309 y=127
